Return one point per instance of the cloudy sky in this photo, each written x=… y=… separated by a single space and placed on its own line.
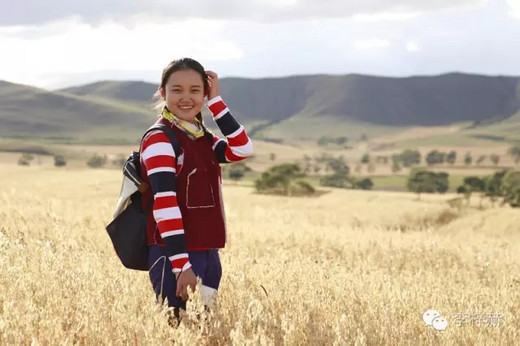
x=53 y=44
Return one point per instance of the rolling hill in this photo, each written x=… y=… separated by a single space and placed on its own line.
x=27 y=112
x=298 y=107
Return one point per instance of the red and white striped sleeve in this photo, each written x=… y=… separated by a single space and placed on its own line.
x=237 y=146
x=159 y=160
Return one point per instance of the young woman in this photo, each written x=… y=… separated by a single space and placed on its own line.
x=186 y=225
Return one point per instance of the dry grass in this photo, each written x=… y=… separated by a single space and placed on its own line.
x=327 y=270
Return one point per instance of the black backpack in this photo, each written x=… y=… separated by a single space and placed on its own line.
x=127 y=230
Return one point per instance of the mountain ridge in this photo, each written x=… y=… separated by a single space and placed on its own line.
x=264 y=103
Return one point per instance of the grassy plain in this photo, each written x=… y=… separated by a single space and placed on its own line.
x=349 y=267
x=268 y=154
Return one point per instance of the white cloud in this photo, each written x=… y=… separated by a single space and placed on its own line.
x=514 y=8
x=75 y=47
x=371 y=43
x=132 y=46
x=384 y=16
x=93 y=11
x=412 y=46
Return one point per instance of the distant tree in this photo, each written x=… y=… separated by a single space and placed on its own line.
x=272 y=156
x=493 y=185
x=435 y=157
x=322 y=141
x=396 y=163
x=97 y=161
x=59 y=161
x=468 y=159
x=363 y=138
x=25 y=159
x=494 y=158
x=341 y=140
x=305 y=187
x=510 y=188
x=395 y=167
x=514 y=152
x=480 y=159
x=441 y=182
x=365 y=158
x=338 y=165
x=409 y=157
x=423 y=181
x=364 y=184
x=451 y=157
x=420 y=181
x=282 y=179
x=470 y=185
x=336 y=179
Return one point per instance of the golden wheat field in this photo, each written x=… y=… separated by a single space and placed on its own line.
x=346 y=268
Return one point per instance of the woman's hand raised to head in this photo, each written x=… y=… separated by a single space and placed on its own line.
x=213 y=84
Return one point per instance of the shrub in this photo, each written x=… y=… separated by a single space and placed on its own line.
x=284 y=180
x=25 y=159
x=511 y=188
x=408 y=158
x=435 y=157
x=236 y=171
x=470 y=185
x=119 y=160
x=494 y=158
x=468 y=159
x=451 y=157
x=306 y=187
x=514 y=152
x=336 y=180
x=59 y=161
x=364 y=184
x=97 y=161
x=420 y=181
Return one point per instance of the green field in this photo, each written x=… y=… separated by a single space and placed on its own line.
x=381 y=183
x=398 y=182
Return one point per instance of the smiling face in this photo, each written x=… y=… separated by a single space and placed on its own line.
x=184 y=94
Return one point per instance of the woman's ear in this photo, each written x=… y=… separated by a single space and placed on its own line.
x=161 y=91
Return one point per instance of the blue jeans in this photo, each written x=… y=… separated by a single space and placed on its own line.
x=205 y=264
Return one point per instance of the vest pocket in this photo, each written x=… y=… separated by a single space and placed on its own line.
x=199 y=193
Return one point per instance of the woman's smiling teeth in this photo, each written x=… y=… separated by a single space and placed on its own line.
x=185 y=107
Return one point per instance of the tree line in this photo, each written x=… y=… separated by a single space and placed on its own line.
x=502 y=186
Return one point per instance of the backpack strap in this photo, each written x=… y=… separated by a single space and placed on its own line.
x=169 y=133
x=173 y=141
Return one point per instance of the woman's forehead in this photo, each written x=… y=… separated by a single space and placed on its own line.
x=185 y=77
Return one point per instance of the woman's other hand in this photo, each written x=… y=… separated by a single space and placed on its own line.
x=185 y=279
x=213 y=85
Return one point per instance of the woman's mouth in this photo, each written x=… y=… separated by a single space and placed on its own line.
x=185 y=108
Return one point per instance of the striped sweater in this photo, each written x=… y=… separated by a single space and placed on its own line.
x=162 y=165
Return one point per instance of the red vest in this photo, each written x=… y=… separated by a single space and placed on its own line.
x=199 y=194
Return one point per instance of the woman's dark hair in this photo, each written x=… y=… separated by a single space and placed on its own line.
x=174 y=66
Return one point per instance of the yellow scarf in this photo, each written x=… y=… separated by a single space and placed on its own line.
x=194 y=129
